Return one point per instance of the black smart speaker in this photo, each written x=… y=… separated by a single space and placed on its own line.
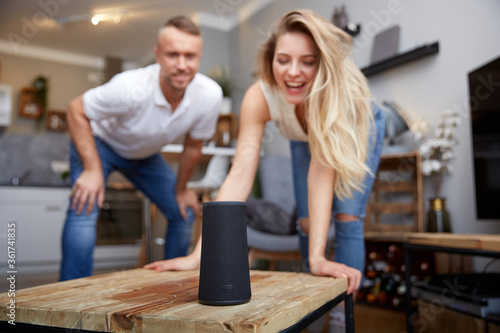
x=224 y=268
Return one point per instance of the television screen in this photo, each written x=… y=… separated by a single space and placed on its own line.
x=484 y=92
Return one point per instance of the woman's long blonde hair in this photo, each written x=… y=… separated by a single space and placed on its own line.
x=338 y=107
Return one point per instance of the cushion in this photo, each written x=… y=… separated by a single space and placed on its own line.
x=276 y=181
x=266 y=216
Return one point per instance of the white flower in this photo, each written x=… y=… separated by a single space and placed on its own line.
x=437 y=149
x=426 y=167
x=438 y=132
x=425 y=149
x=436 y=165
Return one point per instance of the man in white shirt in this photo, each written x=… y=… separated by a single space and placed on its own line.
x=122 y=126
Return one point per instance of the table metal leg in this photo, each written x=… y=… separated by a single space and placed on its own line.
x=146 y=228
x=409 y=308
x=349 y=314
x=312 y=317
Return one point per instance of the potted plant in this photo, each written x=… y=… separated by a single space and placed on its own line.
x=221 y=75
x=437 y=151
x=41 y=86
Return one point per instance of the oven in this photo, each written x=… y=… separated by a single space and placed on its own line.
x=119 y=229
x=120 y=219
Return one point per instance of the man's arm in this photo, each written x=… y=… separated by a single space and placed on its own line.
x=89 y=186
x=187 y=164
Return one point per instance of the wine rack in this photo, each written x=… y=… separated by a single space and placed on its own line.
x=384 y=282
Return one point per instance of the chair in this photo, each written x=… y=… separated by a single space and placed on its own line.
x=216 y=172
x=276 y=184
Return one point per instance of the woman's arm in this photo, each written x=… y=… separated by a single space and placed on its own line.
x=320 y=185
x=253 y=117
x=238 y=183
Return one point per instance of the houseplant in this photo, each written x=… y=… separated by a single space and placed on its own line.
x=222 y=76
x=40 y=86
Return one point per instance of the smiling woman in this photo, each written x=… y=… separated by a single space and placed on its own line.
x=294 y=67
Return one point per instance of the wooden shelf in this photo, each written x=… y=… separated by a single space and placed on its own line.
x=397 y=192
x=386 y=236
x=401 y=58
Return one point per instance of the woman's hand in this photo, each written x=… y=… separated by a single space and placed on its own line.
x=187 y=263
x=322 y=266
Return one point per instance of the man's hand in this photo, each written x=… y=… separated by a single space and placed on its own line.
x=322 y=266
x=185 y=199
x=88 y=189
x=177 y=264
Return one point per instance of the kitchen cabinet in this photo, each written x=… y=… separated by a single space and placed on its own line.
x=5 y=105
x=38 y=214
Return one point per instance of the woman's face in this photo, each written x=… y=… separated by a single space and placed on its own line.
x=295 y=64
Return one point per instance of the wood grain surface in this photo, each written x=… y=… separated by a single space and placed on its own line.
x=141 y=300
x=460 y=241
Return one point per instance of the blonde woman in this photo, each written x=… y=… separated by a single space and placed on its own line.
x=321 y=102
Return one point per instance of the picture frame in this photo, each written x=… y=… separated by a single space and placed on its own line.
x=55 y=120
x=28 y=105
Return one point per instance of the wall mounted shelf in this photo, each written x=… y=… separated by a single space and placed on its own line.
x=401 y=58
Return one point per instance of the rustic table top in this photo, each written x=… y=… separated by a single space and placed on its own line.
x=142 y=300
x=460 y=241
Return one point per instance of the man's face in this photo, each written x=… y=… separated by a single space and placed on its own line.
x=178 y=54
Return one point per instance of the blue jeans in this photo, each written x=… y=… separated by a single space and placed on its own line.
x=349 y=241
x=154 y=178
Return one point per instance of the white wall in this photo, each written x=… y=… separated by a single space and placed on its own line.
x=467 y=32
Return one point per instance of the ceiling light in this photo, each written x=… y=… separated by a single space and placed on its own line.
x=115 y=17
x=95 y=20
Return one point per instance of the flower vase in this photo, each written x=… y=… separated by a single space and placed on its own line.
x=438 y=218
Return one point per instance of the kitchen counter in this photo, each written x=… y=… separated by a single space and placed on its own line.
x=205 y=150
x=37 y=185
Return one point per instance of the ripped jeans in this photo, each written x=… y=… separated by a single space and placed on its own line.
x=153 y=177
x=349 y=241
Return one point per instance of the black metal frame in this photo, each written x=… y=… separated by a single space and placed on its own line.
x=316 y=314
x=5 y=327
x=434 y=248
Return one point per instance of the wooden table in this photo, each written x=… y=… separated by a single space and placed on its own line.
x=467 y=244
x=142 y=300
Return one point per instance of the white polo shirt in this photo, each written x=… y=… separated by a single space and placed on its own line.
x=130 y=112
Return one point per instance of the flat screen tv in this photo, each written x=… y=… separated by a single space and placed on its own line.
x=484 y=99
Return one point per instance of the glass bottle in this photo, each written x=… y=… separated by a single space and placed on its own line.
x=438 y=218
